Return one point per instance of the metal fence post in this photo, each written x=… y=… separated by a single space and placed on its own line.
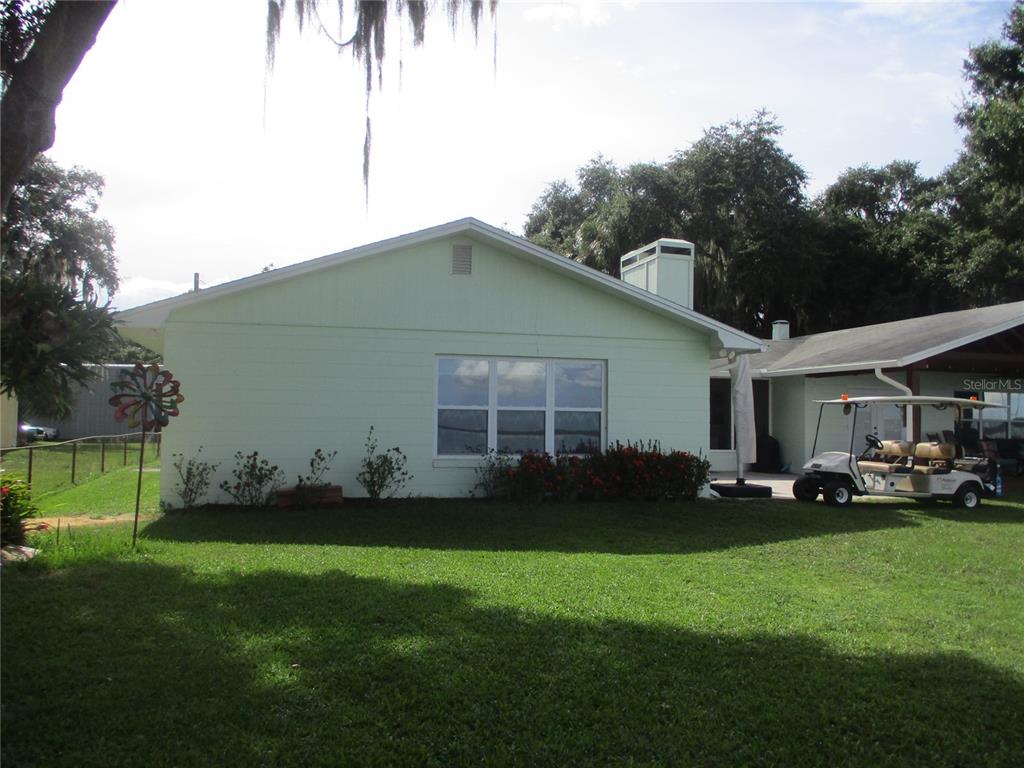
x=125 y=461
x=30 y=465
x=74 y=461
x=159 y=441
x=103 y=456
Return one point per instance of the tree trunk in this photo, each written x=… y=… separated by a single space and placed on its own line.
x=28 y=110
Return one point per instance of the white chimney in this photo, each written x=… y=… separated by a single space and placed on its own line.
x=664 y=267
x=780 y=330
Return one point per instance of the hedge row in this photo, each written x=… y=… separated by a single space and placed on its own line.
x=625 y=471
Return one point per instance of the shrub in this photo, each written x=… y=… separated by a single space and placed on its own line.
x=255 y=480
x=533 y=478
x=642 y=471
x=318 y=466
x=15 y=506
x=308 y=485
x=492 y=476
x=193 y=478
x=383 y=474
x=624 y=471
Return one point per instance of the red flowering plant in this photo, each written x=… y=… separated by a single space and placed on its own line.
x=625 y=471
x=533 y=479
x=15 y=507
x=642 y=471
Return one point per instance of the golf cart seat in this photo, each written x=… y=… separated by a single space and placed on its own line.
x=933 y=458
x=897 y=448
x=880 y=467
x=894 y=455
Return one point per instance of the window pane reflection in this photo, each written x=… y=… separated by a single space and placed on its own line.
x=462 y=382
x=461 y=432
x=578 y=385
x=522 y=383
x=577 y=432
x=520 y=431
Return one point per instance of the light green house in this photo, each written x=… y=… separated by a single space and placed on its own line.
x=449 y=341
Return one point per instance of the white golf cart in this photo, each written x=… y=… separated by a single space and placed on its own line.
x=933 y=470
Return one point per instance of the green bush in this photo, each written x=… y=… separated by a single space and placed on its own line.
x=383 y=474
x=638 y=471
x=493 y=474
x=15 y=506
x=193 y=478
x=308 y=486
x=255 y=480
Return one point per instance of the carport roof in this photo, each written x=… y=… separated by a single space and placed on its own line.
x=885 y=345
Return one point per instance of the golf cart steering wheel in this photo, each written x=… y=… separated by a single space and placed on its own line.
x=873 y=441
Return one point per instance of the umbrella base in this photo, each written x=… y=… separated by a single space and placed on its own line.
x=742 y=490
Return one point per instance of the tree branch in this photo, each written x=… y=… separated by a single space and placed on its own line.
x=29 y=106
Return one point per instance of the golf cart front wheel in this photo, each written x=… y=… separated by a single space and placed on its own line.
x=838 y=493
x=805 y=489
x=968 y=496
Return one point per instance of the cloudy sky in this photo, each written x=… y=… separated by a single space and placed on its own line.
x=212 y=167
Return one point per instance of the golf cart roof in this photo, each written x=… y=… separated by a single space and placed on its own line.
x=935 y=402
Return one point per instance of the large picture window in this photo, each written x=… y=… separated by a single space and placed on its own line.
x=519 y=405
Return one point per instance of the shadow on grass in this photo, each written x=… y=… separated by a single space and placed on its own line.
x=464 y=525
x=136 y=664
x=991 y=511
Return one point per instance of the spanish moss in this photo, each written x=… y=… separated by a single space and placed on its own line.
x=368 y=41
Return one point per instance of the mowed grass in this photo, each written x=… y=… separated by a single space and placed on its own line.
x=461 y=633
x=105 y=495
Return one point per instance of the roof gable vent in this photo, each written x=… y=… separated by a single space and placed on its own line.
x=462 y=260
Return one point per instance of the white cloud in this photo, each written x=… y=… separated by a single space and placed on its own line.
x=585 y=13
x=138 y=290
x=920 y=12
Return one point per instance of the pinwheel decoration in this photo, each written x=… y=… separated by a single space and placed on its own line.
x=146 y=396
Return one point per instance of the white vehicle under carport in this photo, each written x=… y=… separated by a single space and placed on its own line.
x=898 y=468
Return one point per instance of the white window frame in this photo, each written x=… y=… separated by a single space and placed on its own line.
x=492 y=408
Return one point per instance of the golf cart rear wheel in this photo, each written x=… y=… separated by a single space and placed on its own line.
x=968 y=496
x=838 y=493
x=805 y=489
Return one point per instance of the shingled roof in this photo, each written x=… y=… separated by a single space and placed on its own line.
x=885 y=345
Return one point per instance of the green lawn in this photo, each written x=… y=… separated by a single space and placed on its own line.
x=456 y=633
x=105 y=495
x=51 y=464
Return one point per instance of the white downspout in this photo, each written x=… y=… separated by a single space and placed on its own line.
x=909 y=429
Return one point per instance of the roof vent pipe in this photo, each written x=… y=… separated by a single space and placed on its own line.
x=780 y=330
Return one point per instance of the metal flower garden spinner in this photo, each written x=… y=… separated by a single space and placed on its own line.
x=149 y=397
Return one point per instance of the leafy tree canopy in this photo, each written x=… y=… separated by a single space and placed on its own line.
x=57 y=256
x=51 y=229
x=878 y=244
x=735 y=193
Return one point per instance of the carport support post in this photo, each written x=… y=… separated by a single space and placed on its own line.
x=138 y=487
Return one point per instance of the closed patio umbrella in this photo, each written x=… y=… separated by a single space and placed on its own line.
x=744 y=433
x=744 y=430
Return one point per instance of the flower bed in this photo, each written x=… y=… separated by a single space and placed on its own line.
x=625 y=471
